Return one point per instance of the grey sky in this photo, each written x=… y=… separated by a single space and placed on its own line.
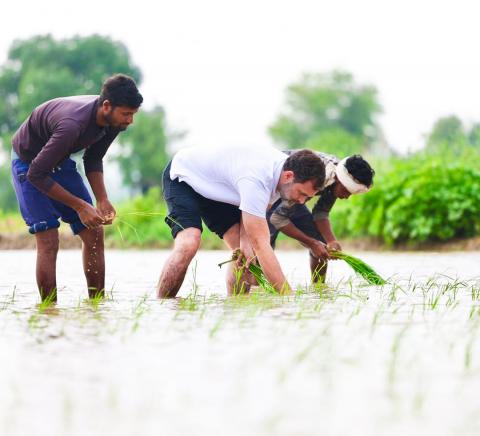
x=220 y=67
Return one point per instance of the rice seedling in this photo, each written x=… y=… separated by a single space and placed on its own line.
x=121 y=221
x=216 y=327
x=467 y=360
x=96 y=298
x=434 y=300
x=254 y=268
x=47 y=302
x=360 y=267
x=475 y=293
x=392 y=369
x=188 y=304
x=138 y=311
x=375 y=318
x=355 y=312
x=194 y=279
x=8 y=301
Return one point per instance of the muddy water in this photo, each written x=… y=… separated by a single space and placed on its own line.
x=346 y=360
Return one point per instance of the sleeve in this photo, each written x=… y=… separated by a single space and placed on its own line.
x=93 y=156
x=254 y=197
x=57 y=148
x=280 y=216
x=322 y=208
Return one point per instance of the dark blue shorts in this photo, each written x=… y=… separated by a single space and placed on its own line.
x=187 y=208
x=39 y=211
x=301 y=218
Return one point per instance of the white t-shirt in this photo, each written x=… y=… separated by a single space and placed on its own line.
x=243 y=176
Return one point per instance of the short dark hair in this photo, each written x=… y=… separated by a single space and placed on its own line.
x=121 y=90
x=360 y=169
x=306 y=165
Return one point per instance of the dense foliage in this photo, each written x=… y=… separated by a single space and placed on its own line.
x=421 y=198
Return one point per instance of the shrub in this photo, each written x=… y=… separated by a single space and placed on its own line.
x=418 y=199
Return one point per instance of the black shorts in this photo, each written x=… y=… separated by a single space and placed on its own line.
x=301 y=217
x=187 y=208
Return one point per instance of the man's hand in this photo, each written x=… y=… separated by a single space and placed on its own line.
x=319 y=250
x=89 y=216
x=106 y=210
x=333 y=246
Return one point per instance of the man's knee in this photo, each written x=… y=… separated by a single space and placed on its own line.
x=47 y=242
x=188 y=241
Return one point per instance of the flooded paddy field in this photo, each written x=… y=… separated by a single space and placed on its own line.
x=345 y=359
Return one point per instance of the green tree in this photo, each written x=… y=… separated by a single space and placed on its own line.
x=324 y=109
x=41 y=68
x=335 y=141
x=474 y=136
x=144 y=150
x=448 y=134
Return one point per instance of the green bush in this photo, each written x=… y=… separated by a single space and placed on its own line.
x=422 y=198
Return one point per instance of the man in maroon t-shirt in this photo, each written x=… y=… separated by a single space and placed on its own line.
x=48 y=185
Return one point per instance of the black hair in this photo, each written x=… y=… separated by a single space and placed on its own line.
x=306 y=165
x=360 y=170
x=121 y=90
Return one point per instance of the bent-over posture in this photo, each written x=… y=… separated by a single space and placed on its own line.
x=48 y=186
x=230 y=189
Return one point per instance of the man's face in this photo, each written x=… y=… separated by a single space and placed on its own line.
x=118 y=117
x=295 y=192
x=340 y=191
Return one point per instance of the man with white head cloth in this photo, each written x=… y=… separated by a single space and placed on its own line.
x=352 y=175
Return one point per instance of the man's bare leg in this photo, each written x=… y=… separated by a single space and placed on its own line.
x=47 y=249
x=185 y=247
x=93 y=253
x=318 y=267
x=237 y=282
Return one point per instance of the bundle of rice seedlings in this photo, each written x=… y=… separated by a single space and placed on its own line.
x=360 y=267
x=262 y=281
x=255 y=269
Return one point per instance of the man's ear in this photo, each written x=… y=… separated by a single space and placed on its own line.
x=287 y=176
x=106 y=106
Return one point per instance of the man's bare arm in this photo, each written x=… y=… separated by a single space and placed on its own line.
x=256 y=229
x=317 y=247
x=325 y=229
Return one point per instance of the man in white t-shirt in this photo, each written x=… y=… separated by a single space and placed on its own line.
x=230 y=189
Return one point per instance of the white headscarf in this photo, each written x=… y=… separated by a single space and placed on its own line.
x=330 y=171
x=346 y=179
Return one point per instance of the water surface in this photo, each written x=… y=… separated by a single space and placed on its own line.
x=349 y=359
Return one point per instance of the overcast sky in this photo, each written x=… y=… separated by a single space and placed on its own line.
x=220 y=68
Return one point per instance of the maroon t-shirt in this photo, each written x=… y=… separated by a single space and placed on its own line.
x=55 y=130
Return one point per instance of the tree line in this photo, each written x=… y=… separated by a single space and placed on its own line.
x=328 y=111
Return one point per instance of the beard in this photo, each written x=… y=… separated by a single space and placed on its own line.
x=108 y=118
x=111 y=123
x=284 y=191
